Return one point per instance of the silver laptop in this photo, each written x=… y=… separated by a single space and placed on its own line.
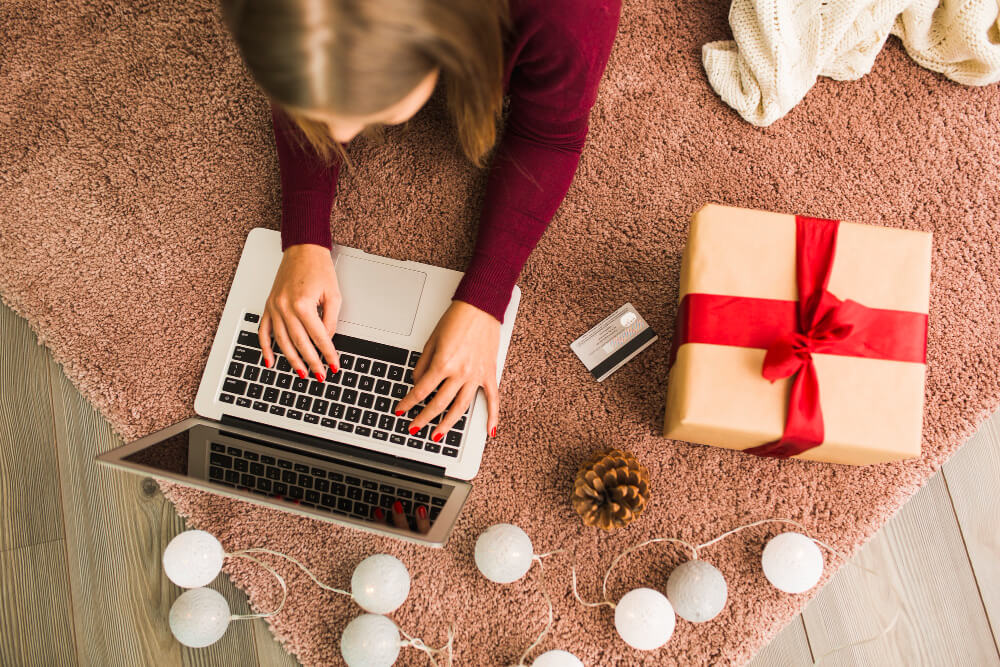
x=331 y=450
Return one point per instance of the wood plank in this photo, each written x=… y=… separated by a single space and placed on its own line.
x=269 y=650
x=30 y=512
x=35 y=625
x=117 y=526
x=921 y=550
x=788 y=649
x=973 y=477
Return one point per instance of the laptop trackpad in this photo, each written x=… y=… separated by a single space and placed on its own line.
x=379 y=295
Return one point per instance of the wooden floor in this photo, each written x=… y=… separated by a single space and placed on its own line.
x=81 y=582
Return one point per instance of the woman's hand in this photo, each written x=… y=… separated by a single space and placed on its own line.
x=305 y=281
x=461 y=357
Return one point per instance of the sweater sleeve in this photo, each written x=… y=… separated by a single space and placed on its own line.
x=553 y=86
x=308 y=186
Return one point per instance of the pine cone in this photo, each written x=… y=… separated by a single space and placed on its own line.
x=611 y=490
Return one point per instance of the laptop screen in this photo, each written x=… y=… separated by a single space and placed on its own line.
x=326 y=484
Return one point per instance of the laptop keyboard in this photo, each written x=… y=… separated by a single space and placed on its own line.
x=359 y=399
x=350 y=495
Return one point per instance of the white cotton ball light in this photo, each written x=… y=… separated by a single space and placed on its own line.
x=193 y=559
x=504 y=553
x=380 y=584
x=792 y=562
x=644 y=619
x=697 y=591
x=557 y=658
x=370 y=640
x=199 y=617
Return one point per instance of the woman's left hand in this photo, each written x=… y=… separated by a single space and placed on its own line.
x=458 y=359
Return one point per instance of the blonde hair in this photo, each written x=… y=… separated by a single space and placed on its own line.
x=359 y=57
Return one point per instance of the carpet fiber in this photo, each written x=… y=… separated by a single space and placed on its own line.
x=137 y=154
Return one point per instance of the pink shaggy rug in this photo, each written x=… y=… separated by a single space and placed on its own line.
x=136 y=154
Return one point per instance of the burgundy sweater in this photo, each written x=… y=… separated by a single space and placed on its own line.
x=555 y=56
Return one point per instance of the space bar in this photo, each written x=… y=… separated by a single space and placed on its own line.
x=367 y=348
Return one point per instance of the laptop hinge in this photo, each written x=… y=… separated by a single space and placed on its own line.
x=333 y=446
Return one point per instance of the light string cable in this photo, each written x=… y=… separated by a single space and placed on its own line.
x=411 y=641
x=607 y=575
x=548 y=600
x=884 y=630
x=281 y=580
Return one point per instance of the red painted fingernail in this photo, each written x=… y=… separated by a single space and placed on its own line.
x=379 y=514
x=437 y=437
x=302 y=373
x=399 y=413
x=319 y=377
x=413 y=430
x=493 y=433
x=267 y=362
x=421 y=511
x=397 y=507
x=335 y=370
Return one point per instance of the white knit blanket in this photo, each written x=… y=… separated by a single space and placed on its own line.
x=781 y=46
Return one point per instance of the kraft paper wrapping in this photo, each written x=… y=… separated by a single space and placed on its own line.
x=716 y=395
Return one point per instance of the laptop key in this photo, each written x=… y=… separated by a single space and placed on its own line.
x=450 y=451
x=232 y=477
x=362 y=365
x=383 y=404
x=271 y=395
x=383 y=387
x=255 y=390
x=247 y=480
x=366 y=383
x=284 y=380
x=300 y=385
x=363 y=431
x=337 y=410
x=379 y=369
x=283 y=365
x=310 y=418
x=414 y=443
x=232 y=386
x=305 y=481
x=353 y=415
x=386 y=422
x=349 y=379
x=220 y=460
x=243 y=402
x=344 y=426
x=354 y=492
x=402 y=427
x=332 y=393
x=289 y=477
x=257 y=469
x=366 y=400
x=437 y=502
x=435 y=511
x=344 y=504
x=277 y=410
x=293 y=414
x=248 y=339
x=315 y=388
x=251 y=373
x=295 y=492
x=432 y=447
x=264 y=485
x=251 y=317
x=397 y=439
x=408 y=378
x=268 y=376
x=395 y=373
x=380 y=435
x=400 y=390
x=346 y=360
x=303 y=402
x=312 y=497
x=320 y=406
x=350 y=396
x=235 y=369
x=454 y=439
x=322 y=485
x=273 y=473
x=280 y=488
x=227 y=398
x=414 y=358
x=246 y=355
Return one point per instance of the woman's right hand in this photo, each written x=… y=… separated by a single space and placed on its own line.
x=305 y=282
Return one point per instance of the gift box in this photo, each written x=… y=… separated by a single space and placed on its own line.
x=800 y=337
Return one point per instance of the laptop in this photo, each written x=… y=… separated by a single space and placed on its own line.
x=331 y=450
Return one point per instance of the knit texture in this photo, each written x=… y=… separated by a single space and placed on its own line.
x=136 y=154
x=779 y=48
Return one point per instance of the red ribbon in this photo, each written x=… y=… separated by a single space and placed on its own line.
x=791 y=331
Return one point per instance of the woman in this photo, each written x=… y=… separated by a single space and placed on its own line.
x=333 y=68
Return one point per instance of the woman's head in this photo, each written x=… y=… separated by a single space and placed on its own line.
x=339 y=66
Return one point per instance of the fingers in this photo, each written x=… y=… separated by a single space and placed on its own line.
x=398 y=517
x=331 y=310
x=492 y=406
x=425 y=359
x=458 y=408
x=317 y=331
x=442 y=399
x=264 y=334
x=421 y=390
x=305 y=348
x=423 y=521
x=285 y=343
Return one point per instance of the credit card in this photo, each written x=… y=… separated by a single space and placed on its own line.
x=615 y=341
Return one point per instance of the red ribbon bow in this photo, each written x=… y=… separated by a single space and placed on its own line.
x=792 y=331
